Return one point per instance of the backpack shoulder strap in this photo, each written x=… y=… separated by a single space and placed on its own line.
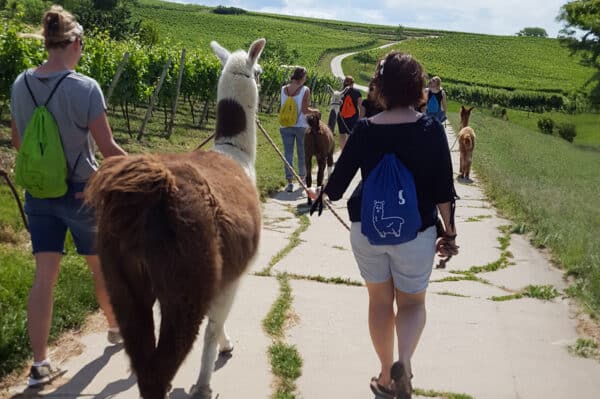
x=56 y=87
x=29 y=89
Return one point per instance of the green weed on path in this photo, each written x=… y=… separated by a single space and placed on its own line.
x=547 y=187
x=585 y=347
x=286 y=362
x=543 y=292
x=294 y=241
x=430 y=393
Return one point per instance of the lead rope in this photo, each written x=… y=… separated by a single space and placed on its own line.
x=4 y=174
x=262 y=129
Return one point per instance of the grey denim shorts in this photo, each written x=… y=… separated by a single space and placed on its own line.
x=409 y=264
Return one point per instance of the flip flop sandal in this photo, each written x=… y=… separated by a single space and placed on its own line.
x=380 y=390
x=402 y=381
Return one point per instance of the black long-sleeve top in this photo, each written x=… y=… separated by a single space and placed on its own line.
x=422 y=147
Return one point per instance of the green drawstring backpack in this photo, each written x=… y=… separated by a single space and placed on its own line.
x=41 y=166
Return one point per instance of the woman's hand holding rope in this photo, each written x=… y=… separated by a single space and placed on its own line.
x=445 y=246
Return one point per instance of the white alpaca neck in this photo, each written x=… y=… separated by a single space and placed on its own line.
x=236 y=133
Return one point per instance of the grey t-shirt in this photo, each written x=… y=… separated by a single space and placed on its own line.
x=77 y=101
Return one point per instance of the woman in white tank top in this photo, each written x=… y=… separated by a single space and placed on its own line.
x=295 y=134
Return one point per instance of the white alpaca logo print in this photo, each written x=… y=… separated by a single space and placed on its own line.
x=386 y=225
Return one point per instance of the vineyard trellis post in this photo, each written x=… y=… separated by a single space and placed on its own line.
x=153 y=98
x=117 y=76
x=177 y=88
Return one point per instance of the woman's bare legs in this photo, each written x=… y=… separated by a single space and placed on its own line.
x=41 y=299
x=410 y=322
x=93 y=262
x=381 y=325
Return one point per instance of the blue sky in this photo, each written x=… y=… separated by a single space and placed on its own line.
x=501 y=17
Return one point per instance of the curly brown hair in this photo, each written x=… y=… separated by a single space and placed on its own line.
x=399 y=80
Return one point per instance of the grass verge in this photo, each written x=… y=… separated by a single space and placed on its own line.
x=73 y=300
x=548 y=187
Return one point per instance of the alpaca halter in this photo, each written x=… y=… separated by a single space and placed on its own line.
x=229 y=143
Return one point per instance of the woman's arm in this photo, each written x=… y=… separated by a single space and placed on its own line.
x=361 y=109
x=15 y=138
x=444 y=106
x=102 y=134
x=347 y=164
x=446 y=215
x=306 y=110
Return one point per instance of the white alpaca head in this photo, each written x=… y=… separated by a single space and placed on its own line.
x=240 y=72
x=237 y=102
x=336 y=98
x=378 y=206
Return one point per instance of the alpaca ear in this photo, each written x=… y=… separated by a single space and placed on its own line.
x=471 y=109
x=329 y=88
x=255 y=51
x=220 y=51
x=462 y=108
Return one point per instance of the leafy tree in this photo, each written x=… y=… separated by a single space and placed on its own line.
x=582 y=18
x=532 y=32
x=112 y=16
x=400 y=31
x=34 y=10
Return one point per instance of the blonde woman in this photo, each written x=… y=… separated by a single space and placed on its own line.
x=436 y=99
x=77 y=104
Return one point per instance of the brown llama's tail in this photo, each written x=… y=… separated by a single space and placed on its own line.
x=125 y=189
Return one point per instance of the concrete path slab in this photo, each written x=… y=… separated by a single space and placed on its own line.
x=278 y=221
x=482 y=348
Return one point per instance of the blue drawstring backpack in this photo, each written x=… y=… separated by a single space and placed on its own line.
x=434 y=106
x=389 y=211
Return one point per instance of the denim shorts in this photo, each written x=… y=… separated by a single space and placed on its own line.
x=409 y=264
x=49 y=219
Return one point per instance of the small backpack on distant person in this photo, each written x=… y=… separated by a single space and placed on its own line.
x=348 y=108
x=288 y=114
x=434 y=102
x=41 y=166
x=389 y=211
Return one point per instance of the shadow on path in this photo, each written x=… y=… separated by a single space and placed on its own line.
x=76 y=385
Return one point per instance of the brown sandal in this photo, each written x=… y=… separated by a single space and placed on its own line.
x=402 y=381
x=380 y=390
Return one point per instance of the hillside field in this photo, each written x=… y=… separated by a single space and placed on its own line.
x=503 y=62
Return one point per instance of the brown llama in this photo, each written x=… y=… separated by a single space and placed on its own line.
x=466 y=143
x=182 y=229
x=318 y=142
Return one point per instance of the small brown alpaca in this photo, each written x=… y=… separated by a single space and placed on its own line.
x=318 y=142
x=182 y=229
x=466 y=143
